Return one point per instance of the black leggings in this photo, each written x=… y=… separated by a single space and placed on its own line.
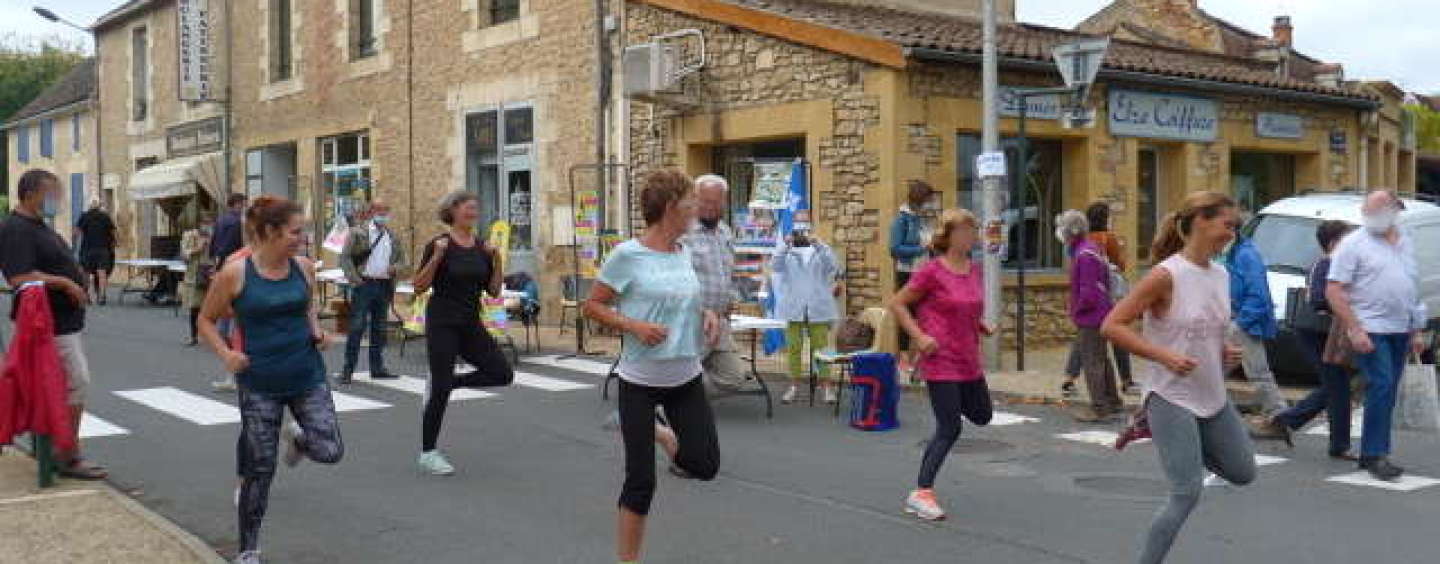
x=951 y=400
x=444 y=343
x=255 y=453
x=688 y=413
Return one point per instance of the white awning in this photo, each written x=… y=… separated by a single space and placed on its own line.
x=179 y=177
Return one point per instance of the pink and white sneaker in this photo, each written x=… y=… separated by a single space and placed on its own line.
x=921 y=503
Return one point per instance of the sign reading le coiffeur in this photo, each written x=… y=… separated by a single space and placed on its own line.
x=1163 y=116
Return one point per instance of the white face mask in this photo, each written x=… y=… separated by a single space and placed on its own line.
x=1380 y=223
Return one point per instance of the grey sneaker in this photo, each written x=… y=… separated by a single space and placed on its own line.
x=290 y=435
x=434 y=463
x=248 y=557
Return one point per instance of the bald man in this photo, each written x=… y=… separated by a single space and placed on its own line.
x=371 y=260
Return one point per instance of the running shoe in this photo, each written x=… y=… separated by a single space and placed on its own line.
x=248 y=557
x=789 y=396
x=290 y=435
x=434 y=463
x=921 y=503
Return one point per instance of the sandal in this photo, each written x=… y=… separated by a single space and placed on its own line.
x=81 y=470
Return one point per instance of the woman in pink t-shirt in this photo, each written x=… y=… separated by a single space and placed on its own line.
x=947 y=295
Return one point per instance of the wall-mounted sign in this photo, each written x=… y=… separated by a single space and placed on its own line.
x=990 y=164
x=1279 y=126
x=196 y=137
x=194 y=49
x=1339 y=142
x=1163 y=116
x=1036 y=107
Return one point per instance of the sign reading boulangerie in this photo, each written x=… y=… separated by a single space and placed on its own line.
x=1163 y=116
x=196 y=72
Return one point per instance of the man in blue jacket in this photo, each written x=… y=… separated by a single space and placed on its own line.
x=1253 y=320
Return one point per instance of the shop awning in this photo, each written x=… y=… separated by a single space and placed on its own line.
x=180 y=177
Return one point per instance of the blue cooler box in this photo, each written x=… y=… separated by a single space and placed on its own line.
x=874 y=392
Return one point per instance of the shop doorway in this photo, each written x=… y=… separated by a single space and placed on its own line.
x=1149 y=195
x=1257 y=179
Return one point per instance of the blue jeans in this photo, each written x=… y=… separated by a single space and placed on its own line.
x=370 y=301
x=1382 y=368
x=1332 y=397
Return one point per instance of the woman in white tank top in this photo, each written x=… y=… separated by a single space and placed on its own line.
x=1185 y=306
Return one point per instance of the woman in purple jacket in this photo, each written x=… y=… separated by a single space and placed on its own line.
x=1089 y=304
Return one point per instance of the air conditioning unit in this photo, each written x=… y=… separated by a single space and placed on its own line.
x=650 y=69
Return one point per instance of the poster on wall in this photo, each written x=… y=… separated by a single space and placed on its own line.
x=194 y=49
x=587 y=231
x=771 y=184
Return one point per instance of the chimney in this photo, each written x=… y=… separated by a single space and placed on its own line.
x=1284 y=33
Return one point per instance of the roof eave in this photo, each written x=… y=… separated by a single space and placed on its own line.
x=55 y=111
x=1018 y=63
x=119 y=16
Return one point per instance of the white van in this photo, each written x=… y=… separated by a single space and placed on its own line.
x=1284 y=232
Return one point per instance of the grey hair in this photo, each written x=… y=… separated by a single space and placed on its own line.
x=1071 y=225
x=449 y=201
x=713 y=180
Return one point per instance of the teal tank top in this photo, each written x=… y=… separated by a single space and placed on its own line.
x=274 y=320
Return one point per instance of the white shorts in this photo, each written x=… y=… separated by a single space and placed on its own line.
x=77 y=369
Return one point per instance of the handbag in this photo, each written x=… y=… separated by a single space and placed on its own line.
x=1418 y=405
x=1299 y=314
x=854 y=335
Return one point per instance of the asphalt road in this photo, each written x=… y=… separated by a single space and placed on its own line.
x=538 y=478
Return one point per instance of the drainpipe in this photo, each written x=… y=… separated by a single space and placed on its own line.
x=602 y=89
x=228 y=138
x=410 y=109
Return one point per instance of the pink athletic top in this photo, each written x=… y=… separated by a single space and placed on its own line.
x=1195 y=326
x=949 y=310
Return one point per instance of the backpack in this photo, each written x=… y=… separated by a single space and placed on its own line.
x=1116 y=286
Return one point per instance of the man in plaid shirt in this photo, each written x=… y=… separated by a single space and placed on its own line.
x=712 y=248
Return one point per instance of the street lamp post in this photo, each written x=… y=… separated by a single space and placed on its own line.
x=51 y=16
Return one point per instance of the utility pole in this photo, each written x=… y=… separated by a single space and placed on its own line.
x=992 y=227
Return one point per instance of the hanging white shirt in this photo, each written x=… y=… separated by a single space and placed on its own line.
x=378 y=265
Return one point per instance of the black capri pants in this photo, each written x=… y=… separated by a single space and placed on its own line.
x=688 y=413
x=444 y=343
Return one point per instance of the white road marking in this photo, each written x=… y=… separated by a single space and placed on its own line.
x=547 y=383
x=92 y=427
x=1357 y=421
x=413 y=385
x=185 y=405
x=1260 y=460
x=1003 y=418
x=347 y=402
x=1406 y=483
x=1102 y=438
x=577 y=364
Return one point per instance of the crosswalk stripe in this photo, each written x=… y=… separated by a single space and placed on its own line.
x=576 y=364
x=93 y=427
x=347 y=402
x=1003 y=418
x=185 y=405
x=547 y=383
x=413 y=385
x=1102 y=438
x=1406 y=483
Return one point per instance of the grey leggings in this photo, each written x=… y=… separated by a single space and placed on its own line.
x=1188 y=445
x=261 y=416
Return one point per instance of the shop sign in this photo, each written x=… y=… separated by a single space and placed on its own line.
x=194 y=43
x=1048 y=106
x=1279 y=126
x=1339 y=142
x=1163 y=116
x=194 y=138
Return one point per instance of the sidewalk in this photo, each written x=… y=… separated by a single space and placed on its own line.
x=83 y=522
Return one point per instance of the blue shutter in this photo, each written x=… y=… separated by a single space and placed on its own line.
x=75 y=133
x=22 y=142
x=77 y=196
x=47 y=138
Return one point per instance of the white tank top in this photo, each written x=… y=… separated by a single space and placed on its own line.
x=1195 y=325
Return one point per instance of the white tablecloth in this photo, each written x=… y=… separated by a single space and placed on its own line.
x=152 y=263
x=740 y=323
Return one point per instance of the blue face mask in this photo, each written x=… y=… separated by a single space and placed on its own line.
x=50 y=206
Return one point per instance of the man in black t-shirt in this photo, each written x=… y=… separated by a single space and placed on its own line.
x=30 y=251
x=96 y=232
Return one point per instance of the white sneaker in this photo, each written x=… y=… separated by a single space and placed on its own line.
x=226 y=385
x=248 y=557
x=830 y=396
x=922 y=504
x=290 y=434
x=434 y=463
x=789 y=396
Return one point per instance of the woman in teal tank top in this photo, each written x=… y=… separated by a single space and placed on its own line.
x=279 y=365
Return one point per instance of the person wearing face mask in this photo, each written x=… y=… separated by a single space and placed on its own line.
x=371 y=259
x=194 y=247
x=1374 y=294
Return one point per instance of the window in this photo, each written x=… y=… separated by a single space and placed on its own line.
x=1043 y=198
x=362 y=29
x=1256 y=179
x=501 y=11
x=139 y=81
x=77 y=196
x=281 y=47
x=47 y=138
x=345 y=174
x=75 y=133
x=22 y=143
x=498 y=168
x=254 y=176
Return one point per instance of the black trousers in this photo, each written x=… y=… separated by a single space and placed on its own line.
x=688 y=413
x=952 y=401
x=444 y=343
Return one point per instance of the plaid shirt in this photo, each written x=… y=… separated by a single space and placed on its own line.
x=713 y=253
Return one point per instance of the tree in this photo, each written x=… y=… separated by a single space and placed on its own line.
x=1427 y=128
x=29 y=65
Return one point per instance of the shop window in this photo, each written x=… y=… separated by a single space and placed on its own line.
x=345 y=175
x=1256 y=179
x=736 y=163
x=1043 y=183
x=140 y=67
x=281 y=41
x=496 y=12
x=362 y=29
x=499 y=169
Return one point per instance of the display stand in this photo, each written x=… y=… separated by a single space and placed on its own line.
x=592 y=240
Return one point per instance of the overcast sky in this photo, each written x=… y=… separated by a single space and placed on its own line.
x=1392 y=39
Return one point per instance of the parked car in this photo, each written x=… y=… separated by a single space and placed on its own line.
x=1284 y=232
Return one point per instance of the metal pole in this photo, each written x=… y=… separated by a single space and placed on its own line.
x=1020 y=178
x=991 y=187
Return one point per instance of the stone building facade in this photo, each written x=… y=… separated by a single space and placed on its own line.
x=872 y=97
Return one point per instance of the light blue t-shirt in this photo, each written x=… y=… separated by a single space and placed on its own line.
x=659 y=288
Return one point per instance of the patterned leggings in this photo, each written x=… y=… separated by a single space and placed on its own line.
x=256 y=451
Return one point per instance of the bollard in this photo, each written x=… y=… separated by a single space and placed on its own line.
x=44 y=459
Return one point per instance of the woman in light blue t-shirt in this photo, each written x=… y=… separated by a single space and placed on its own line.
x=649 y=292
